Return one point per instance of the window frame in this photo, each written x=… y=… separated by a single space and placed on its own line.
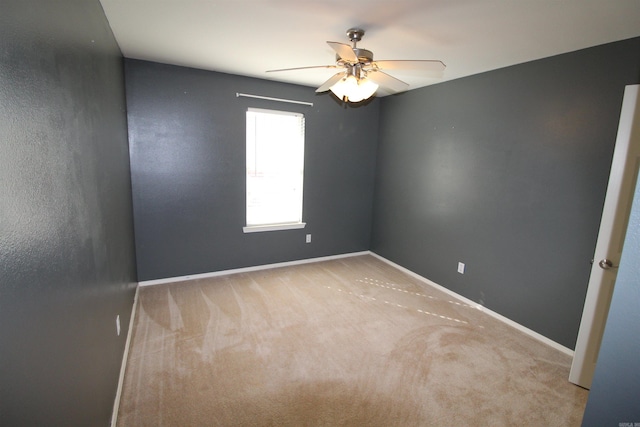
x=274 y=226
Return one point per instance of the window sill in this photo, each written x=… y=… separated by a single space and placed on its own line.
x=275 y=227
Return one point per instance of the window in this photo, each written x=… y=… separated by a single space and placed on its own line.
x=275 y=170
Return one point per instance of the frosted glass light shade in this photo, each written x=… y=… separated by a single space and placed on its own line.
x=354 y=90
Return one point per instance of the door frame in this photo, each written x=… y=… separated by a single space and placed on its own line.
x=615 y=217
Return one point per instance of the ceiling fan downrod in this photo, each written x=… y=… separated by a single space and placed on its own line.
x=363 y=56
x=355 y=35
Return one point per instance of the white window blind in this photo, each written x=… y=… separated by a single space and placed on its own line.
x=275 y=169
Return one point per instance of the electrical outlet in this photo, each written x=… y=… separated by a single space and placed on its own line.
x=308 y=238
x=118 y=324
x=461 y=267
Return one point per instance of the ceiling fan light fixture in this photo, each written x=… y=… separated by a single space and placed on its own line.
x=352 y=89
x=360 y=75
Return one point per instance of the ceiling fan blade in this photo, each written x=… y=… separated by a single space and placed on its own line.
x=344 y=51
x=333 y=80
x=420 y=65
x=302 y=68
x=391 y=84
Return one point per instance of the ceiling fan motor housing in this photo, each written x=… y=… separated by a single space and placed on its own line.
x=364 y=56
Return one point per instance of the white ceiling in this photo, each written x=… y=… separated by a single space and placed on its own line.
x=248 y=37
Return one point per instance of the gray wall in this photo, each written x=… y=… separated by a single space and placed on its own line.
x=66 y=241
x=613 y=398
x=187 y=136
x=505 y=171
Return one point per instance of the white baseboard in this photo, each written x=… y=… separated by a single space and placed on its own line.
x=459 y=297
x=125 y=356
x=248 y=269
x=491 y=313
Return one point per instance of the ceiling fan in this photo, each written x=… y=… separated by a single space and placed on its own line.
x=361 y=77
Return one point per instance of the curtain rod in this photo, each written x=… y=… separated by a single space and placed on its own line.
x=268 y=98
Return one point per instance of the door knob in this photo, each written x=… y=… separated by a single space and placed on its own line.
x=606 y=264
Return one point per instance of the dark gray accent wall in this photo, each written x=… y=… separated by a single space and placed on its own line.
x=613 y=398
x=67 y=264
x=505 y=171
x=187 y=137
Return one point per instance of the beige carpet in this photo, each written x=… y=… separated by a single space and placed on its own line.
x=349 y=342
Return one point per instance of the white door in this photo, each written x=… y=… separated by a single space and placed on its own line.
x=615 y=215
